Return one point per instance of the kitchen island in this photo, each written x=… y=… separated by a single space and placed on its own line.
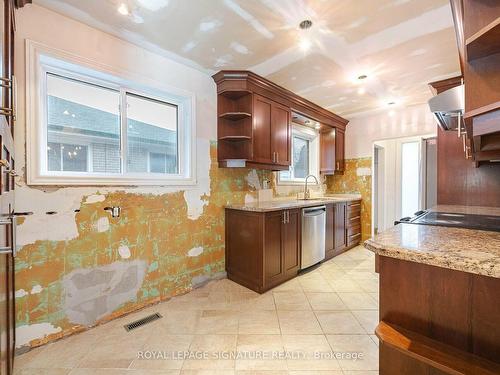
x=439 y=298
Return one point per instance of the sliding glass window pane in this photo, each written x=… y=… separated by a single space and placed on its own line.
x=83 y=127
x=410 y=178
x=300 y=157
x=151 y=136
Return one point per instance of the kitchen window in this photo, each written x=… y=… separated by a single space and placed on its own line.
x=93 y=128
x=305 y=155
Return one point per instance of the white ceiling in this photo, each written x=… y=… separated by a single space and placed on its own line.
x=401 y=45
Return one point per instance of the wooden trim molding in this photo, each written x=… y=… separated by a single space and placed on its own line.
x=438 y=87
x=21 y=3
x=226 y=80
x=437 y=355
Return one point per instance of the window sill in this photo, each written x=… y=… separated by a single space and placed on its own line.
x=117 y=181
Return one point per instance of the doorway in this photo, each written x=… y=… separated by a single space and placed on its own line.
x=404 y=179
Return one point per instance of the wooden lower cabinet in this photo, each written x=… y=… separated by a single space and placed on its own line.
x=343 y=227
x=262 y=248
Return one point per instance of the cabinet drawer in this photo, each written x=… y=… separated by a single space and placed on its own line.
x=353 y=230
x=354 y=204
x=354 y=239
x=353 y=212
x=353 y=221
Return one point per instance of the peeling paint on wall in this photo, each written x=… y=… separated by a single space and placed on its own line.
x=163 y=244
x=25 y=334
x=195 y=251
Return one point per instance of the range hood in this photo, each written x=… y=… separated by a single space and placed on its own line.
x=448 y=108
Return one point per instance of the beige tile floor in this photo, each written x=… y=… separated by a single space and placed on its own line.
x=332 y=309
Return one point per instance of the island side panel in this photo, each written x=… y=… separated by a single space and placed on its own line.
x=450 y=306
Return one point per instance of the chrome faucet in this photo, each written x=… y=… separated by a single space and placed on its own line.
x=307 y=194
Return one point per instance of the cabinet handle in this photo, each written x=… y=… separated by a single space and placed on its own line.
x=277 y=157
x=338 y=165
x=12 y=221
x=355 y=218
x=288 y=216
x=9 y=84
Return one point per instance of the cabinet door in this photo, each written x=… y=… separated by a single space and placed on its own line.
x=327 y=151
x=291 y=243
x=262 y=149
x=340 y=229
x=329 y=234
x=281 y=134
x=273 y=255
x=339 y=151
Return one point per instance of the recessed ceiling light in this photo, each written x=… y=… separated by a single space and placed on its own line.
x=362 y=77
x=123 y=9
x=306 y=24
x=391 y=103
x=304 y=44
x=307 y=122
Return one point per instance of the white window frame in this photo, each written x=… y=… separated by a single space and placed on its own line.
x=41 y=60
x=313 y=137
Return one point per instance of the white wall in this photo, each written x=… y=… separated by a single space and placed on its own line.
x=362 y=131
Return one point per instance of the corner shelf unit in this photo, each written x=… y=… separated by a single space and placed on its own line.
x=485 y=42
x=234 y=127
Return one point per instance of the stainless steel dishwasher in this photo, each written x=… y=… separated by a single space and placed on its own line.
x=313 y=235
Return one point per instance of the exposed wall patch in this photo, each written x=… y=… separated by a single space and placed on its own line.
x=36 y=289
x=90 y=294
x=124 y=251
x=20 y=293
x=26 y=333
x=95 y=198
x=102 y=224
x=195 y=251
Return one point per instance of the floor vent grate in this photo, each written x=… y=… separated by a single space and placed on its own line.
x=141 y=322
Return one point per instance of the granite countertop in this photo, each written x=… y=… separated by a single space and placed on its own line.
x=283 y=204
x=468 y=250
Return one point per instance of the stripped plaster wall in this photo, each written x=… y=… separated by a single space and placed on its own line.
x=80 y=267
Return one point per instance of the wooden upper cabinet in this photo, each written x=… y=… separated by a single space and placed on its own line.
x=327 y=151
x=281 y=134
x=271 y=132
x=477 y=25
x=262 y=113
x=254 y=121
x=339 y=151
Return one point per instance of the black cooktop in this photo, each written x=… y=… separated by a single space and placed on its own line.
x=445 y=219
